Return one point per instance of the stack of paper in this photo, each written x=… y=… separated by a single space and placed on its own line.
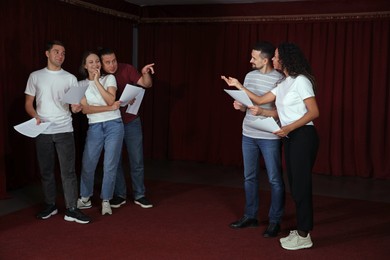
x=240 y=96
x=267 y=124
x=129 y=93
x=75 y=94
x=30 y=128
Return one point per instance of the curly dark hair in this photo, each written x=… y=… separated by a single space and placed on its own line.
x=293 y=60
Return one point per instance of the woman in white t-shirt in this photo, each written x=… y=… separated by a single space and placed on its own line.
x=105 y=131
x=297 y=108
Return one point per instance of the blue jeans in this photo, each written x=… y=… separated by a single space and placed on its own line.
x=47 y=145
x=107 y=135
x=271 y=151
x=134 y=145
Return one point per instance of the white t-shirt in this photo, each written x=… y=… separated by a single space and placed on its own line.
x=259 y=83
x=94 y=98
x=290 y=94
x=48 y=87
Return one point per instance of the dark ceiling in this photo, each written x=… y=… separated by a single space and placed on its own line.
x=195 y=2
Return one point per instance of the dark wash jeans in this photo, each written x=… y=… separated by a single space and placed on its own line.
x=47 y=146
x=270 y=149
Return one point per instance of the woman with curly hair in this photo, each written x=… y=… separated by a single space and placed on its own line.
x=295 y=101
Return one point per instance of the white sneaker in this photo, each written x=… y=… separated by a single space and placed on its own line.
x=294 y=241
x=290 y=236
x=106 y=208
x=84 y=203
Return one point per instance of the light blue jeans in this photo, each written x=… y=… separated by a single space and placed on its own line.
x=107 y=135
x=134 y=144
x=271 y=151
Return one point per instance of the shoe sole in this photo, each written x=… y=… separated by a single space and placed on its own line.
x=85 y=207
x=297 y=248
x=71 y=219
x=115 y=206
x=54 y=212
x=143 y=206
x=249 y=226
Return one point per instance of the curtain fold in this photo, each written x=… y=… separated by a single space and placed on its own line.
x=187 y=115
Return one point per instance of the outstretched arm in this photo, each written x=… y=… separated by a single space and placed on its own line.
x=146 y=78
x=266 y=98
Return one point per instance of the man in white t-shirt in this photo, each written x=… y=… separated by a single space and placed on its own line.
x=256 y=142
x=47 y=87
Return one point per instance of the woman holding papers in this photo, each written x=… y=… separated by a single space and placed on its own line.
x=105 y=130
x=297 y=108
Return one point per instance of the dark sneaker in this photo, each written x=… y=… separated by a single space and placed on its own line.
x=143 y=202
x=49 y=211
x=116 y=202
x=74 y=214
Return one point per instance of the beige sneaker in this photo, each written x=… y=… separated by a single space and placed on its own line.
x=106 y=208
x=290 y=236
x=294 y=241
x=84 y=203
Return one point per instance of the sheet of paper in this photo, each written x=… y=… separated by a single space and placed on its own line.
x=75 y=94
x=30 y=128
x=240 y=96
x=130 y=92
x=267 y=124
x=133 y=108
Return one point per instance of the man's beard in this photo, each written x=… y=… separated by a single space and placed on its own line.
x=255 y=67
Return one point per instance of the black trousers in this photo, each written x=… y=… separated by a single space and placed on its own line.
x=300 y=150
x=62 y=144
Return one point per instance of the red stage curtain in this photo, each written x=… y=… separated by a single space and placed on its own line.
x=187 y=116
x=25 y=27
